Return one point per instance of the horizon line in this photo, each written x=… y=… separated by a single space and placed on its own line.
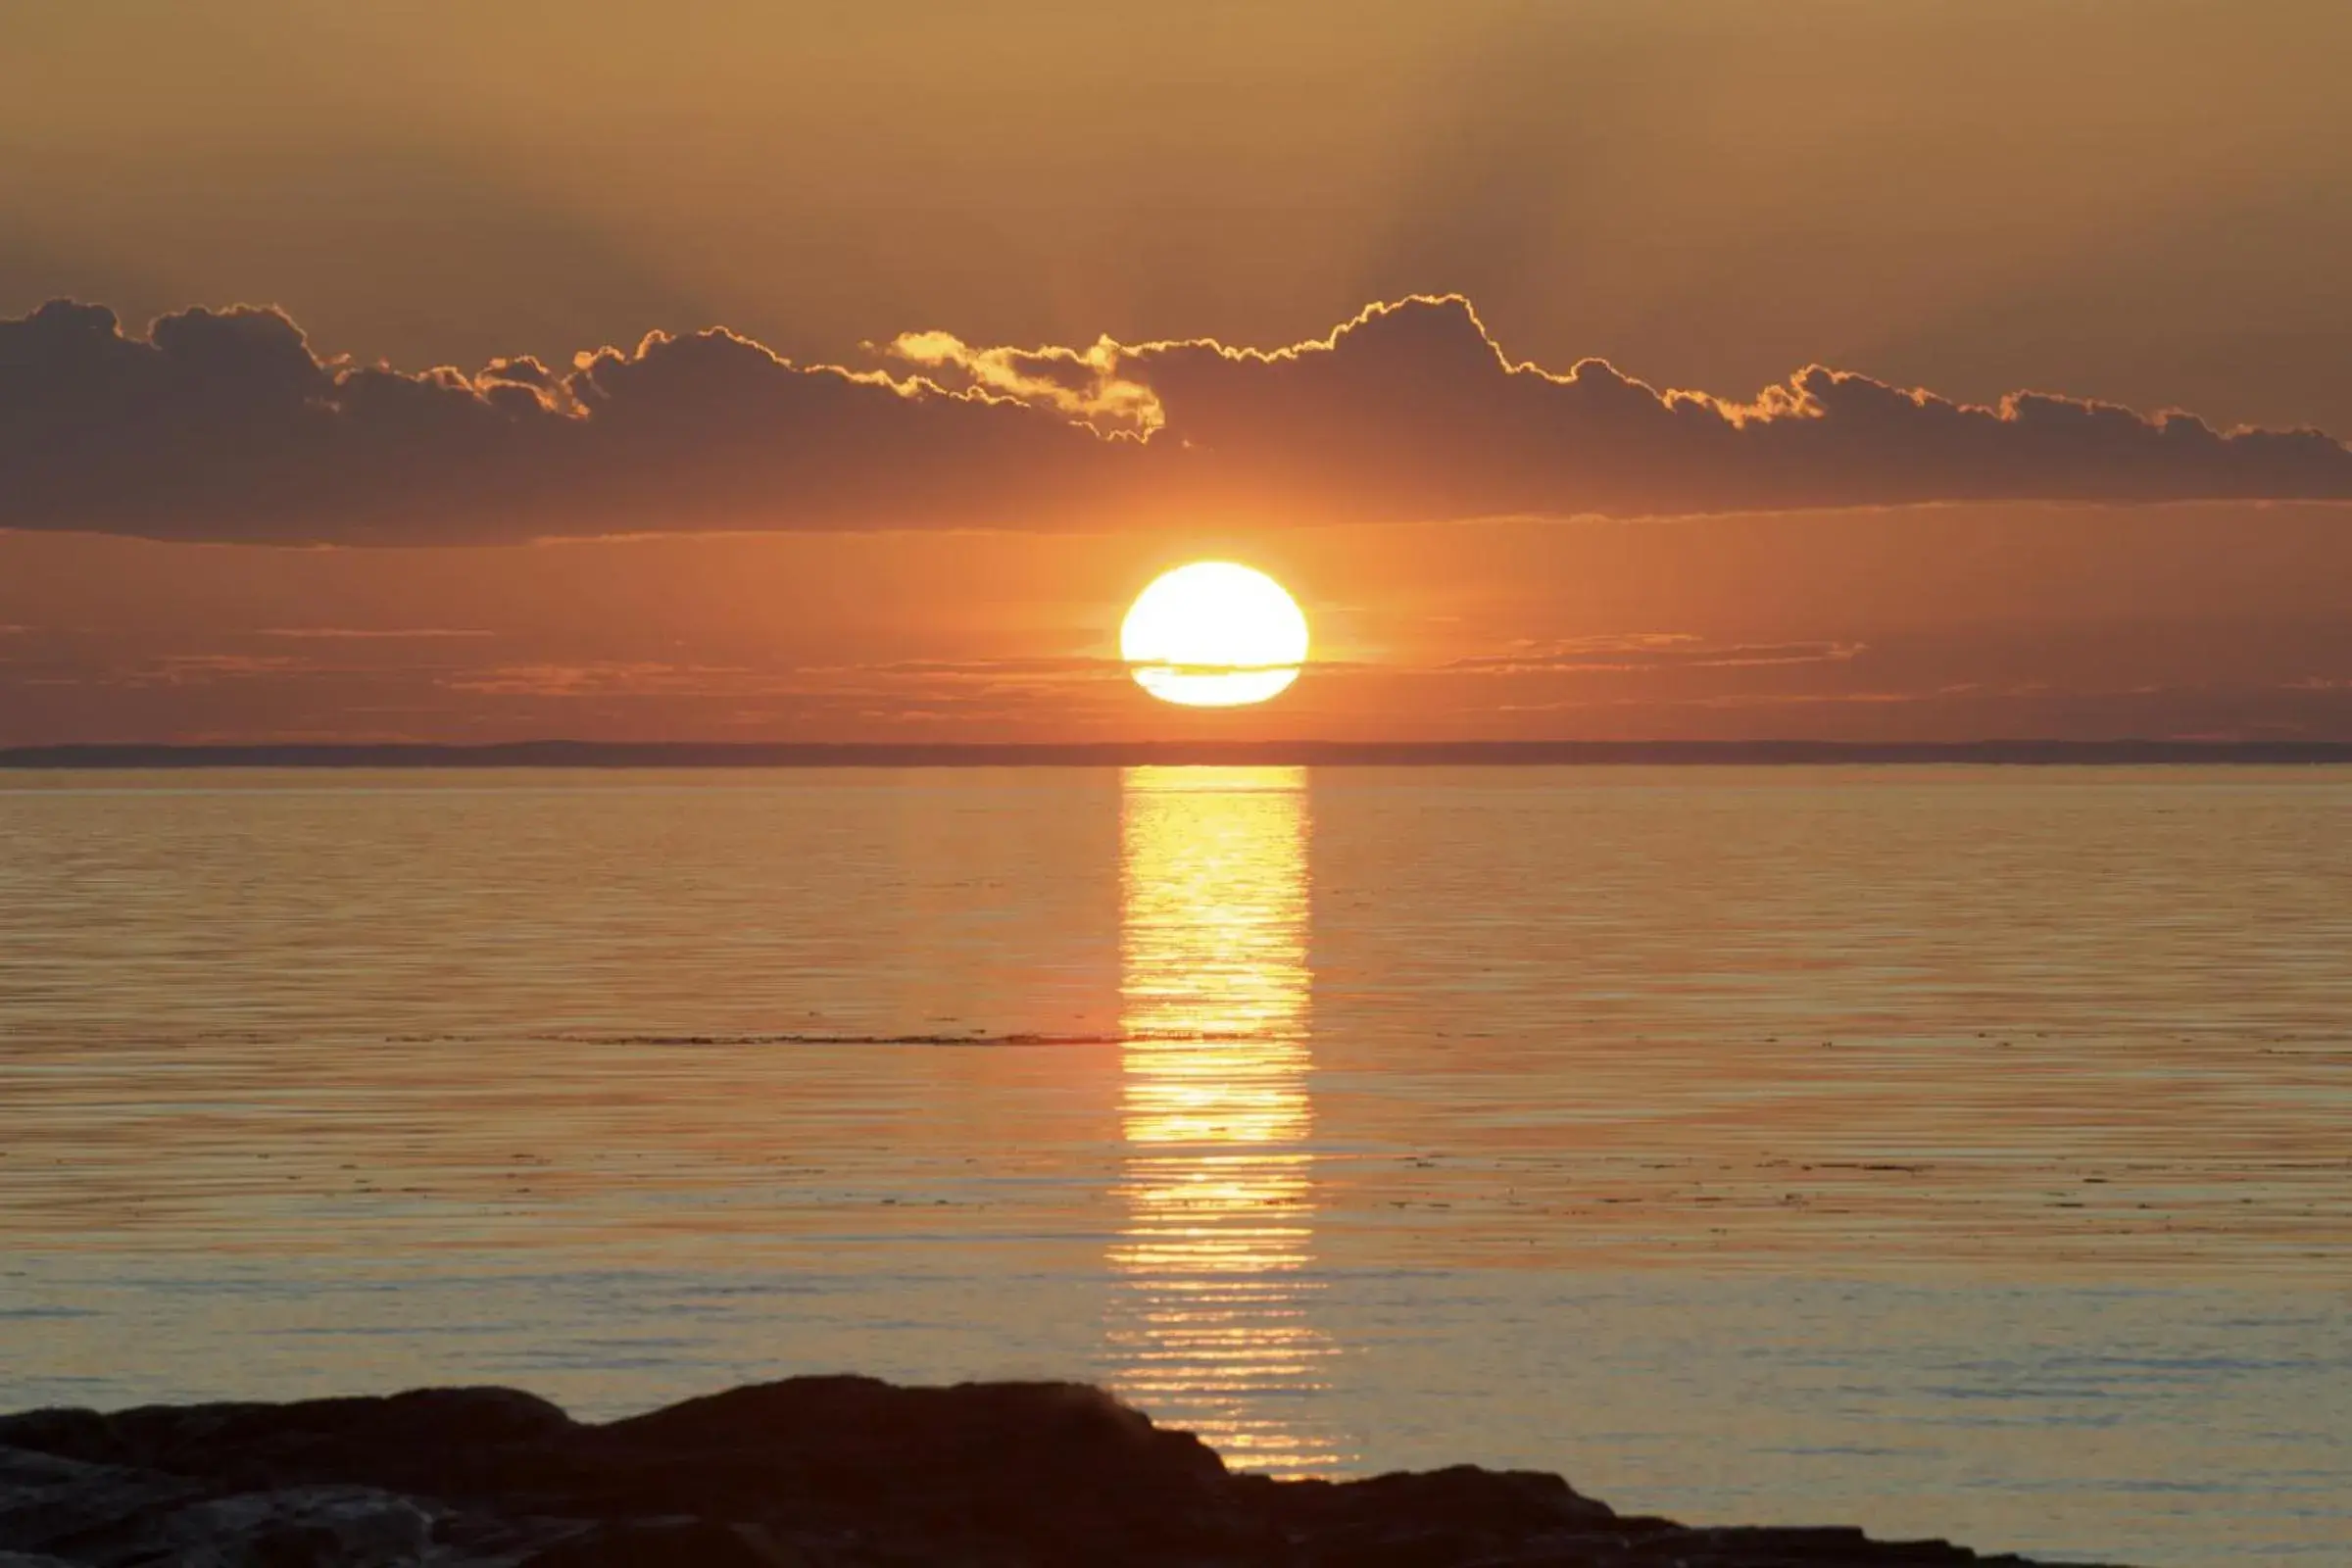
x=579 y=753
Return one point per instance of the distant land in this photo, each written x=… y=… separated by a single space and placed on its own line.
x=1133 y=753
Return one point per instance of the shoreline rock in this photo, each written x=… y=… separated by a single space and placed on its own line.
x=824 y=1472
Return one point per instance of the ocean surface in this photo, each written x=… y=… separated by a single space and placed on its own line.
x=1947 y=1150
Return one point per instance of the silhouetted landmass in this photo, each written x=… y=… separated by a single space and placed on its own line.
x=1134 y=754
x=834 y=1472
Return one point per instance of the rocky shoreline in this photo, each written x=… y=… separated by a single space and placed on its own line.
x=836 y=1472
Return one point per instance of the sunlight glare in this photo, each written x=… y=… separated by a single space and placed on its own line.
x=1214 y=634
x=1215 y=1255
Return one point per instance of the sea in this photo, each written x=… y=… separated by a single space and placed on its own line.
x=1959 y=1151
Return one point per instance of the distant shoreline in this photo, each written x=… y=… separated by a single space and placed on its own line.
x=1132 y=754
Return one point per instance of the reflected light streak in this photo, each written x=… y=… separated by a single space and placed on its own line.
x=1212 y=1330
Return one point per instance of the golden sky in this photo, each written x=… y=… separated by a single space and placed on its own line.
x=2137 y=202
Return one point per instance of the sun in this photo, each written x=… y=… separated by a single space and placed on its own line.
x=1213 y=634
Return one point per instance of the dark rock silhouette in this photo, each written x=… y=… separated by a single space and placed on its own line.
x=834 y=1472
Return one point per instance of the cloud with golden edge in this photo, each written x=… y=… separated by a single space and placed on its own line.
x=226 y=425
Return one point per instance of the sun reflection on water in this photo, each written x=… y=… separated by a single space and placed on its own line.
x=1212 y=1326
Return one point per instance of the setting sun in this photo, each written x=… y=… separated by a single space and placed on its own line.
x=1214 y=634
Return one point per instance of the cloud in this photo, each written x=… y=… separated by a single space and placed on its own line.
x=226 y=425
x=1081 y=384
x=656 y=678
x=1650 y=651
x=370 y=634
x=197 y=669
x=1412 y=409
x=619 y=679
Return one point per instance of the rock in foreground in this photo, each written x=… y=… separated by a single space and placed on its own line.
x=811 y=1473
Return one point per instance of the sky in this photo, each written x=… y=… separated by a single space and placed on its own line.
x=1588 y=368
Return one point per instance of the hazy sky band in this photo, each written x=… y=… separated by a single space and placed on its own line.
x=977 y=264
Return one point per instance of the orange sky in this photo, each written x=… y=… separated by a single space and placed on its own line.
x=2138 y=201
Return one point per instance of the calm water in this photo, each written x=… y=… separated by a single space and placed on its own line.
x=1949 y=1152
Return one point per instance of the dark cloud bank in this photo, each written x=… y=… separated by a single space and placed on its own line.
x=226 y=425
